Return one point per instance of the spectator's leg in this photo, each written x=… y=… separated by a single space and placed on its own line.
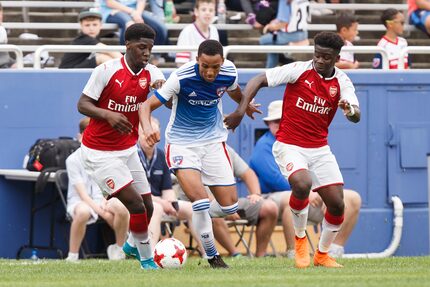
x=155 y=224
x=287 y=222
x=268 y=216
x=121 y=217
x=352 y=210
x=159 y=27
x=222 y=235
x=427 y=23
x=157 y=8
x=78 y=227
x=123 y=20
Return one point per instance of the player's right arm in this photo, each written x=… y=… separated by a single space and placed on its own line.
x=87 y=106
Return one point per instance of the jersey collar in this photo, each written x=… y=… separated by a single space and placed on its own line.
x=124 y=63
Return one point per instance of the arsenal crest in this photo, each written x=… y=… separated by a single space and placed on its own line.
x=110 y=183
x=143 y=82
x=333 y=91
x=220 y=91
x=177 y=160
x=290 y=166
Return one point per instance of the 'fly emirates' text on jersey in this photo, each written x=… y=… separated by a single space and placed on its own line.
x=197 y=117
x=310 y=102
x=116 y=88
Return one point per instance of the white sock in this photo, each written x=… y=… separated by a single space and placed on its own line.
x=73 y=256
x=130 y=240
x=300 y=220
x=143 y=245
x=328 y=235
x=203 y=225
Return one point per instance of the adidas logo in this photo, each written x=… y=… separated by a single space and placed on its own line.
x=193 y=94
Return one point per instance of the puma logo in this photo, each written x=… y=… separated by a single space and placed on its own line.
x=309 y=83
x=119 y=83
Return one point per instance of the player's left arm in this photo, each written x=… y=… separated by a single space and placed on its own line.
x=351 y=111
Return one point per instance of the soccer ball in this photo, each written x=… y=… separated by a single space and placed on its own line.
x=170 y=253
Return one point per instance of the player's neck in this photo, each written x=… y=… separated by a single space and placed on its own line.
x=131 y=65
x=390 y=35
x=203 y=28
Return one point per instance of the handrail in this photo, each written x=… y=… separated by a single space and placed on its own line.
x=305 y=49
x=49 y=4
x=358 y=6
x=411 y=49
x=95 y=48
x=17 y=51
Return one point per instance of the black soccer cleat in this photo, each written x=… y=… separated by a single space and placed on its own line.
x=217 y=262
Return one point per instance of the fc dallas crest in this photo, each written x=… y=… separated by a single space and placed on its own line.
x=110 y=183
x=333 y=91
x=143 y=82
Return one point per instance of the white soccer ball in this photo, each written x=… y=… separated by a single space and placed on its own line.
x=170 y=253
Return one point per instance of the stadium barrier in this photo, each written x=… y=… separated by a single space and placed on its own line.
x=17 y=51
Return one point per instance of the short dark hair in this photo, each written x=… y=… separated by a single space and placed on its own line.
x=388 y=14
x=345 y=20
x=329 y=40
x=138 y=31
x=211 y=48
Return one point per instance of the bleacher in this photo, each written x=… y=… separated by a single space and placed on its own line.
x=55 y=24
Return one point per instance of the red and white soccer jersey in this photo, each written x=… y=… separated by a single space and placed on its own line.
x=393 y=49
x=347 y=56
x=192 y=36
x=117 y=88
x=310 y=102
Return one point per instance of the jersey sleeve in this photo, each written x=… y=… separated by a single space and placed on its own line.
x=96 y=83
x=169 y=89
x=347 y=90
x=284 y=74
x=155 y=73
x=234 y=85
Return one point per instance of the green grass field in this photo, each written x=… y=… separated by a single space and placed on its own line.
x=399 y=271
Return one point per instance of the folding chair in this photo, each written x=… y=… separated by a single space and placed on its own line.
x=239 y=226
x=61 y=183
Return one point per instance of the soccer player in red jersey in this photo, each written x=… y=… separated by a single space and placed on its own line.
x=314 y=91
x=111 y=98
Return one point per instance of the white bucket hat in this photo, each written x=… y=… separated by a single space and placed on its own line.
x=274 y=111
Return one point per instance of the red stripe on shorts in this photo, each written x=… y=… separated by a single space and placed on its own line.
x=168 y=156
x=226 y=153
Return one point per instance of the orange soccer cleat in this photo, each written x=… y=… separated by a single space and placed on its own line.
x=302 y=257
x=324 y=260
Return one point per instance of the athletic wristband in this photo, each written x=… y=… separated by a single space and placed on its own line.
x=351 y=111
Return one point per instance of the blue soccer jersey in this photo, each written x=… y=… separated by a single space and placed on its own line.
x=197 y=117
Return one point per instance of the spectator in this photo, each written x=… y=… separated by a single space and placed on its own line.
x=85 y=203
x=195 y=33
x=274 y=186
x=393 y=21
x=347 y=29
x=126 y=12
x=91 y=24
x=164 y=198
x=5 y=60
x=419 y=14
x=287 y=27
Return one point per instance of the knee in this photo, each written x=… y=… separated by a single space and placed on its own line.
x=337 y=208
x=119 y=209
x=301 y=187
x=353 y=201
x=81 y=213
x=269 y=209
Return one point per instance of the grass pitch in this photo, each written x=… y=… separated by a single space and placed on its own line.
x=390 y=272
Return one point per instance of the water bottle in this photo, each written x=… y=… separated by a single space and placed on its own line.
x=168 y=11
x=222 y=12
x=33 y=256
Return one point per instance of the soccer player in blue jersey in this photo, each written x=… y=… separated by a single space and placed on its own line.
x=196 y=135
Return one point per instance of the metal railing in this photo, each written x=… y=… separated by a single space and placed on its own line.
x=17 y=51
x=305 y=49
x=411 y=49
x=49 y=4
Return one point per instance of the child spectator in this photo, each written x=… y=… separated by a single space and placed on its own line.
x=197 y=32
x=393 y=21
x=347 y=29
x=5 y=60
x=419 y=14
x=91 y=24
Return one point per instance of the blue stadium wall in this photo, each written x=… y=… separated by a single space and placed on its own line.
x=384 y=155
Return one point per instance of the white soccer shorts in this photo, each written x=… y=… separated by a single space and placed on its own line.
x=114 y=170
x=320 y=162
x=212 y=160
